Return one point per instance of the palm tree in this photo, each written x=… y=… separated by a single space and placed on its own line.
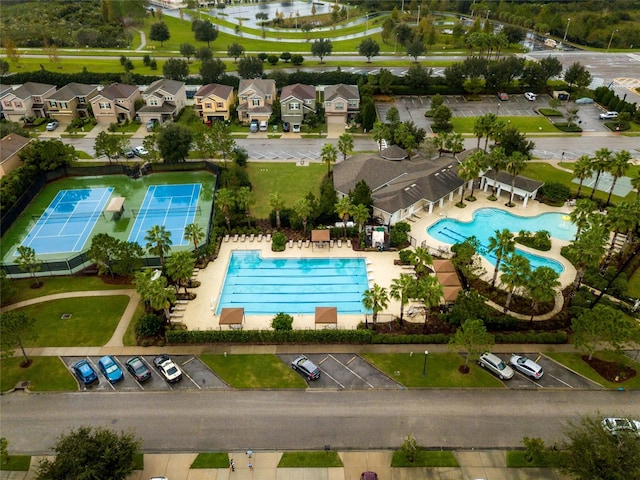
x=421 y=260
x=515 y=165
x=180 y=267
x=225 y=200
x=380 y=132
x=587 y=250
x=429 y=291
x=517 y=270
x=375 y=299
x=635 y=183
x=600 y=164
x=158 y=241
x=345 y=145
x=302 y=208
x=400 y=290
x=583 y=213
x=360 y=214
x=482 y=127
x=541 y=287
x=617 y=168
x=454 y=143
x=277 y=203
x=582 y=169
x=193 y=233
x=328 y=155
x=497 y=161
x=154 y=293
x=245 y=199
x=343 y=208
x=467 y=170
x=620 y=219
x=478 y=160
x=502 y=244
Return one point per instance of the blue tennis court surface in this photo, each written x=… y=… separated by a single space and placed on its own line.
x=67 y=222
x=174 y=206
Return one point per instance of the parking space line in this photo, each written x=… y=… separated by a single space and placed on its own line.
x=352 y=359
x=354 y=373
x=192 y=380
x=341 y=385
x=563 y=382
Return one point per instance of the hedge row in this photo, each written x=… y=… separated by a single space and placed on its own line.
x=532 y=337
x=268 y=336
x=439 y=338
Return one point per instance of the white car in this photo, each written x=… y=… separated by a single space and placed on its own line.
x=140 y=151
x=615 y=425
x=168 y=369
x=530 y=96
x=526 y=366
x=496 y=365
x=608 y=115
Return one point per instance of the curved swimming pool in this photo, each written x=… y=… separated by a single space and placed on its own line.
x=486 y=221
x=293 y=285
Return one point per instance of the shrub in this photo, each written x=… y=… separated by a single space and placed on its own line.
x=278 y=242
x=405 y=256
x=282 y=322
x=149 y=326
x=269 y=337
x=554 y=193
x=532 y=337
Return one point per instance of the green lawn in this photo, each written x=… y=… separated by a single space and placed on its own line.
x=93 y=321
x=253 y=371
x=425 y=458
x=524 y=124
x=211 y=460
x=129 y=337
x=633 y=286
x=17 y=463
x=293 y=182
x=574 y=362
x=52 y=285
x=46 y=374
x=310 y=460
x=442 y=370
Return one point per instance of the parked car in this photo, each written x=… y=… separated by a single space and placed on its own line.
x=530 y=96
x=584 y=101
x=608 y=115
x=286 y=126
x=151 y=124
x=51 y=126
x=496 y=365
x=253 y=126
x=368 y=476
x=615 y=425
x=129 y=153
x=85 y=372
x=140 y=151
x=263 y=126
x=168 y=369
x=527 y=366
x=296 y=128
x=138 y=369
x=305 y=366
x=110 y=369
x=503 y=96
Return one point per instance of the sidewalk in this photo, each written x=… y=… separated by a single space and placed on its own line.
x=486 y=465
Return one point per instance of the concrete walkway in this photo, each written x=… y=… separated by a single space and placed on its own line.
x=487 y=465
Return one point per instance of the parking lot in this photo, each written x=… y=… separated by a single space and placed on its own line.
x=195 y=376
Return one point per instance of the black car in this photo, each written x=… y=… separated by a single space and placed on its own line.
x=286 y=126
x=305 y=366
x=138 y=369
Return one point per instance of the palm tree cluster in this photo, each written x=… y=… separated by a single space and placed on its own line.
x=616 y=164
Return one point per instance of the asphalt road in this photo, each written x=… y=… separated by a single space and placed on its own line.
x=295 y=420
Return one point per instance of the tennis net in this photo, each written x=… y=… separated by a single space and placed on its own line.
x=66 y=217
x=155 y=212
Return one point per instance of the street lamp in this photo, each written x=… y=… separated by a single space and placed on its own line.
x=498 y=110
x=564 y=39
x=424 y=368
x=611 y=39
x=395 y=45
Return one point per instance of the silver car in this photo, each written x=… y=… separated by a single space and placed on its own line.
x=616 y=425
x=496 y=365
x=526 y=366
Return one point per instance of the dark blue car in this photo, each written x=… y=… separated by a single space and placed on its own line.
x=85 y=372
x=110 y=369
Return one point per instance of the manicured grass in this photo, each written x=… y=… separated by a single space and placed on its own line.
x=46 y=374
x=516 y=459
x=425 y=458
x=138 y=461
x=92 y=322
x=633 y=285
x=550 y=112
x=253 y=371
x=129 y=337
x=441 y=371
x=293 y=182
x=524 y=124
x=310 y=460
x=17 y=463
x=574 y=362
x=211 y=460
x=52 y=285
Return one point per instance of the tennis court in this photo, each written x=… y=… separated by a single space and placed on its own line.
x=67 y=222
x=174 y=206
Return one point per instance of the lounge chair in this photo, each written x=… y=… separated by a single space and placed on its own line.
x=235 y=237
x=348 y=243
x=226 y=238
x=299 y=243
x=243 y=237
x=306 y=244
x=259 y=239
x=290 y=244
x=268 y=237
x=251 y=237
x=330 y=243
x=339 y=243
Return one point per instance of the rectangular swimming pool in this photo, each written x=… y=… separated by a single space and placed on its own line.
x=293 y=285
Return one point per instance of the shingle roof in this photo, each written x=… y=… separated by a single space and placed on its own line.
x=72 y=90
x=118 y=90
x=215 y=89
x=262 y=87
x=11 y=144
x=298 y=91
x=523 y=183
x=30 y=89
x=340 y=90
x=166 y=85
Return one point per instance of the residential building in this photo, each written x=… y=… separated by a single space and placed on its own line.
x=26 y=101
x=115 y=103
x=295 y=102
x=213 y=102
x=164 y=100
x=70 y=102
x=255 y=97
x=10 y=147
x=341 y=103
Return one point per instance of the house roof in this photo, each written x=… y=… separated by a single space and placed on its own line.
x=341 y=90
x=396 y=185
x=118 y=90
x=165 y=85
x=394 y=152
x=522 y=183
x=12 y=144
x=215 y=90
x=298 y=91
x=260 y=87
x=72 y=90
x=30 y=89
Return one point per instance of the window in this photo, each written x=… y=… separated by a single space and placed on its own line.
x=339 y=106
x=18 y=104
x=104 y=105
x=169 y=98
x=256 y=102
x=353 y=103
x=220 y=105
x=52 y=103
x=294 y=106
x=37 y=99
x=207 y=105
x=63 y=105
x=153 y=102
x=268 y=96
x=82 y=100
x=243 y=98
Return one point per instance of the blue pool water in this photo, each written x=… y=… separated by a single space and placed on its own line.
x=487 y=220
x=293 y=285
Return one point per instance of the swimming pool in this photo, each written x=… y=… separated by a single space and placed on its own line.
x=487 y=220
x=293 y=285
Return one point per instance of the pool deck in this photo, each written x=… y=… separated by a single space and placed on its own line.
x=199 y=314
